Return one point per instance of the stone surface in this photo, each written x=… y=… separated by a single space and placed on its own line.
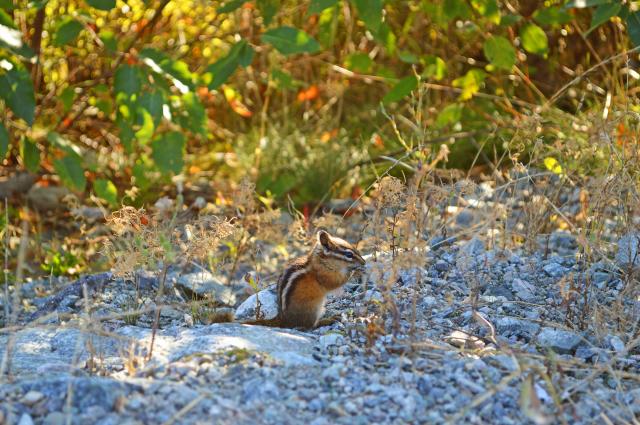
x=628 y=254
x=203 y=284
x=560 y=341
x=267 y=301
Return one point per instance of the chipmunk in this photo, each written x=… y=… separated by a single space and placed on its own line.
x=305 y=283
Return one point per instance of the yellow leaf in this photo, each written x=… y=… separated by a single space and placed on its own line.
x=553 y=165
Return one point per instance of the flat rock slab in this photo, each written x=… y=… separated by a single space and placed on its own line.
x=38 y=351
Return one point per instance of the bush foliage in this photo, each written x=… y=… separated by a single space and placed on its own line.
x=110 y=95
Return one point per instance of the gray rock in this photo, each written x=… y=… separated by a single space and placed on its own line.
x=25 y=419
x=471 y=256
x=508 y=326
x=523 y=290
x=465 y=218
x=31 y=398
x=268 y=303
x=554 y=269
x=325 y=341
x=617 y=344
x=204 y=285
x=628 y=255
x=560 y=341
x=55 y=418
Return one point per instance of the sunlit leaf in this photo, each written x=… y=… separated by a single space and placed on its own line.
x=402 y=88
x=487 y=8
x=192 y=115
x=358 y=62
x=470 y=83
x=176 y=70
x=4 y=142
x=168 y=151
x=370 y=12
x=30 y=155
x=102 y=4
x=6 y=20
x=153 y=102
x=16 y=88
x=318 y=6
x=500 y=52
x=552 y=16
x=434 y=67
x=66 y=31
x=105 y=189
x=450 y=115
x=603 y=13
x=328 y=26
x=69 y=169
x=64 y=144
x=109 y=40
x=67 y=97
x=145 y=132
x=219 y=72
x=534 y=39
x=289 y=40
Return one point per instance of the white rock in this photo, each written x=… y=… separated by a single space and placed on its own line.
x=325 y=341
x=31 y=398
x=628 y=251
x=268 y=303
x=25 y=419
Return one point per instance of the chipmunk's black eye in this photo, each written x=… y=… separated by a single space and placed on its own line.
x=349 y=254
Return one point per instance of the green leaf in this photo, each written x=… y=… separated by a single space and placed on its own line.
x=534 y=39
x=175 y=70
x=268 y=9
x=105 y=189
x=145 y=132
x=16 y=88
x=358 y=62
x=581 y=4
x=552 y=16
x=386 y=37
x=450 y=115
x=67 y=31
x=633 y=28
x=64 y=144
x=127 y=80
x=370 y=12
x=102 y=4
x=318 y=6
x=66 y=97
x=6 y=20
x=487 y=8
x=509 y=20
x=470 y=83
x=289 y=40
x=230 y=6
x=108 y=38
x=328 y=26
x=7 y=4
x=603 y=13
x=70 y=171
x=192 y=115
x=434 y=67
x=453 y=9
x=245 y=55
x=402 y=88
x=4 y=142
x=499 y=51
x=153 y=102
x=283 y=79
x=30 y=155
x=167 y=152
x=219 y=72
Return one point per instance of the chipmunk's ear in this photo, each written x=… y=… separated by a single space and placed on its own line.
x=324 y=238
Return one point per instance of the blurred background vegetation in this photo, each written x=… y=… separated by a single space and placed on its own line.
x=121 y=102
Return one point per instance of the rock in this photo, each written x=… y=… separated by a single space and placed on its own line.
x=523 y=290
x=628 y=255
x=52 y=351
x=19 y=183
x=325 y=341
x=564 y=241
x=55 y=418
x=470 y=256
x=25 y=419
x=508 y=326
x=465 y=218
x=554 y=269
x=617 y=344
x=464 y=340
x=260 y=389
x=560 y=341
x=248 y=310
x=47 y=198
x=203 y=285
x=31 y=398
